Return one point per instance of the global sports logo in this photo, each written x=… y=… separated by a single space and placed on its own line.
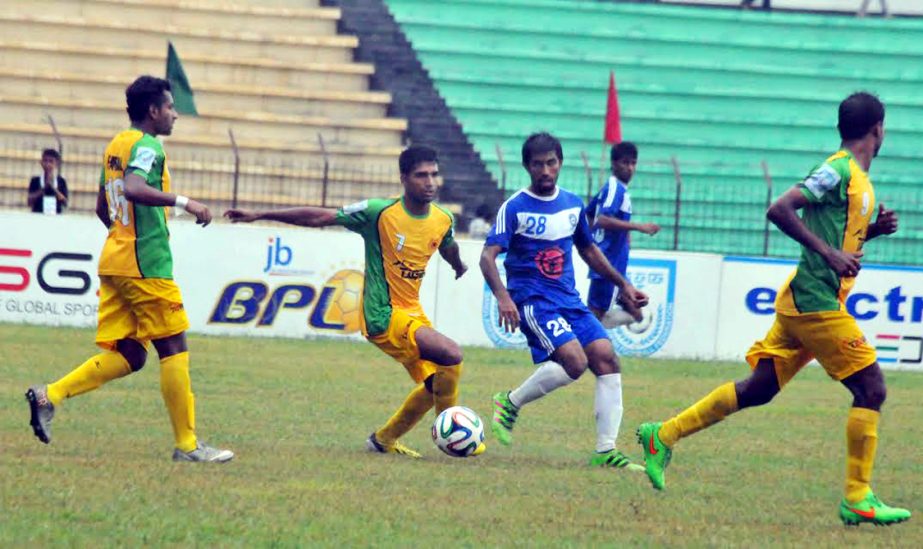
x=490 y=316
x=657 y=279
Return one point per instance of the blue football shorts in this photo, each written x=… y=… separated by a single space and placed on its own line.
x=548 y=325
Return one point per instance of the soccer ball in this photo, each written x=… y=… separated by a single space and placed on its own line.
x=458 y=431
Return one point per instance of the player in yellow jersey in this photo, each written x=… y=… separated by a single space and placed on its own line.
x=838 y=203
x=400 y=234
x=138 y=300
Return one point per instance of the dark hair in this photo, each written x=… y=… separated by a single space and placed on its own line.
x=625 y=149
x=858 y=115
x=144 y=92
x=483 y=211
x=414 y=155
x=52 y=153
x=539 y=143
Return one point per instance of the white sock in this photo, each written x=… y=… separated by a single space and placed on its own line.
x=616 y=316
x=608 y=411
x=548 y=377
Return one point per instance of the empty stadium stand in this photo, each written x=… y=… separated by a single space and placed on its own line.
x=276 y=72
x=719 y=90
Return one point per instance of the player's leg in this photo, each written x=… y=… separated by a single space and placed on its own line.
x=860 y=504
x=401 y=342
x=176 y=389
x=855 y=365
x=121 y=356
x=447 y=355
x=549 y=336
x=608 y=407
x=774 y=361
x=158 y=306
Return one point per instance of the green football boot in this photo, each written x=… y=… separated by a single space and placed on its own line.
x=615 y=460
x=505 y=414
x=871 y=510
x=656 y=454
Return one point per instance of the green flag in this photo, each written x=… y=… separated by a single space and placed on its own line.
x=182 y=91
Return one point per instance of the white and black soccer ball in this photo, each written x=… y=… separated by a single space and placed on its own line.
x=458 y=431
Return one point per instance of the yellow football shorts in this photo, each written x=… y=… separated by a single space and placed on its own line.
x=832 y=337
x=399 y=342
x=138 y=308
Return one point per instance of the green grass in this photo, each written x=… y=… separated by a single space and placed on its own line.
x=297 y=413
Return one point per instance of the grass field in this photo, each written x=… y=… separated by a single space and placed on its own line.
x=297 y=413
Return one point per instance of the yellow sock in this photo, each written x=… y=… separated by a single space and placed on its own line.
x=861 y=443
x=176 y=389
x=445 y=387
x=90 y=375
x=719 y=404
x=415 y=406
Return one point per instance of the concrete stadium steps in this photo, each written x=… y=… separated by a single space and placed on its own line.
x=262 y=151
x=215 y=124
x=106 y=32
x=185 y=13
x=209 y=96
x=200 y=68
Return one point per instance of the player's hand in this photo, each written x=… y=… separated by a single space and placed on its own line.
x=460 y=270
x=650 y=228
x=844 y=263
x=509 y=315
x=202 y=216
x=240 y=216
x=634 y=296
x=886 y=221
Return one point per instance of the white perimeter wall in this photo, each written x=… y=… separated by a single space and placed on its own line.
x=702 y=305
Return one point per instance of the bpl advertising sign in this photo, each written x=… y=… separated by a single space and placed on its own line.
x=887 y=302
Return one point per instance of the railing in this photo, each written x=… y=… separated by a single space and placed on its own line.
x=222 y=180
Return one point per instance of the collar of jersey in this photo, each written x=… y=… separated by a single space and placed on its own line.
x=415 y=216
x=543 y=198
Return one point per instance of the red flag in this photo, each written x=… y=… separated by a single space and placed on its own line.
x=613 y=133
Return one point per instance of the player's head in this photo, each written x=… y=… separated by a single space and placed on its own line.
x=419 y=167
x=542 y=158
x=862 y=116
x=51 y=160
x=150 y=103
x=624 y=157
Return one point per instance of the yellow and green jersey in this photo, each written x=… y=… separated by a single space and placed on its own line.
x=138 y=243
x=398 y=246
x=841 y=203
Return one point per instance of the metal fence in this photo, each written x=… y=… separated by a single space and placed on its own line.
x=222 y=180
x=714 y=207
x=721 y=207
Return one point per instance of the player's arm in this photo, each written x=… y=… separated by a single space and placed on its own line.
x=453 y=257
x=614 y=224
x=784 y=214
x=886 y=223
x=305 y=216
x=509 y=315
x=102 y=207
x=138 y=191
x=597 y=261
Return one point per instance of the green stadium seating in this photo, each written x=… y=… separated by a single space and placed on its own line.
x=721 y=91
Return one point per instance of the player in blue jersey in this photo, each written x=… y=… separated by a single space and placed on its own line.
x=538 y=228
x=610 y=217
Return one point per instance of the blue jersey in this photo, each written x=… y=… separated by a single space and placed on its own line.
x=612 y=201
x=538 y=234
